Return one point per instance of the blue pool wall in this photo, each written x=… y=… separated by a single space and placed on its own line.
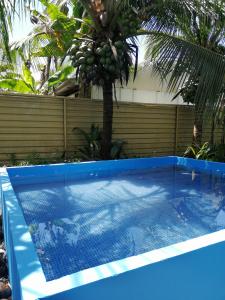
x=197 y=275
x=21 y=254
x=19 y=174
x=12 y=263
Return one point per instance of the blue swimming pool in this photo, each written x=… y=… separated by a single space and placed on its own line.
x=70 y=227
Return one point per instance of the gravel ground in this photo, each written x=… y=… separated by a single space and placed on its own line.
x=5 y=291
x=3 y=259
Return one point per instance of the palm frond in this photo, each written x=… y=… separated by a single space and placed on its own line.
x=8 y=10
x=4 y=24
x=181 y=60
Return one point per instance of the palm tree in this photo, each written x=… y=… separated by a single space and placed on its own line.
x=46 y=45
x=4 y=25
x=103 y=51
x=191 y=49
x=100 y=49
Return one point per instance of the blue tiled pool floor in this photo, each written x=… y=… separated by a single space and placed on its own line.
x=81 y=223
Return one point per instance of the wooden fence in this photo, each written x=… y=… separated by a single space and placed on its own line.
x=43 y=124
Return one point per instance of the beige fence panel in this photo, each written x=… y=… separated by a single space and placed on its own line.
x=81 y=113
x=44 y=125
x=149 y=130
x=30 y=124
x=185 y=121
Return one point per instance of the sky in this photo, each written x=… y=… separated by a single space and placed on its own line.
x=20 y=29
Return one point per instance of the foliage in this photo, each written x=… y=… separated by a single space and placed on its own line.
x=92 y=148
x=200 y=152
x=103 y=51
x=190 y=49
x=8 y=9
x=185 y=38
x=21 y=80
x=100 y=50
x=91 y=151
x=117 y=151
x=60 y=76
x=45 y=47
x=206 y=152
x=18 y=82
x=34 y=158
x=12 y=159
x=53 y=31
x=219 y=153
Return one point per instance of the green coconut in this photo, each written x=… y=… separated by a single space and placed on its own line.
x=106 y=67
x=90 y=60
x=81 y=60
x=73 y=50
x=111 y=68
x=79 y=54
x=119 y=44
x=88 y=69
x=102 y=60
x=108 y=61
x=82 y=68
x=98 y=51
x=106 y=48
x=89 y=51
x=83 y=48
x=108 y=53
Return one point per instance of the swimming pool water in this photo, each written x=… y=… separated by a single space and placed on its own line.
x=77 y=222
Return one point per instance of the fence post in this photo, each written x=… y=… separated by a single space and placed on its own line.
x=65 y=126
x=176 y=129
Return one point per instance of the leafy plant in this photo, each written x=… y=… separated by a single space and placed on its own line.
x=205 y=152
x=17 y=79
x=92 y=148
x=117 y=151
x=12 y=159
x=34 y=159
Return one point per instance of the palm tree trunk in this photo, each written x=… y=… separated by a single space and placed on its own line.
x=47 y=71
x=107 y=119
x=198 y=126
x=212 y=133
x=223 y=132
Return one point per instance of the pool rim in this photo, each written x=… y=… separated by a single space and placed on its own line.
x=44 y=289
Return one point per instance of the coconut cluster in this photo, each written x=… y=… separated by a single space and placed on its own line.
x=98 y=61
x=106 y=59
x=129 y=22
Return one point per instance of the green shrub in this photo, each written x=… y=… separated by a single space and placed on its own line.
x=92 y=148
x=206 y=152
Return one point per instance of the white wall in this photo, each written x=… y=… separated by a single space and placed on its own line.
x=139 y=96
x=147 y=88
